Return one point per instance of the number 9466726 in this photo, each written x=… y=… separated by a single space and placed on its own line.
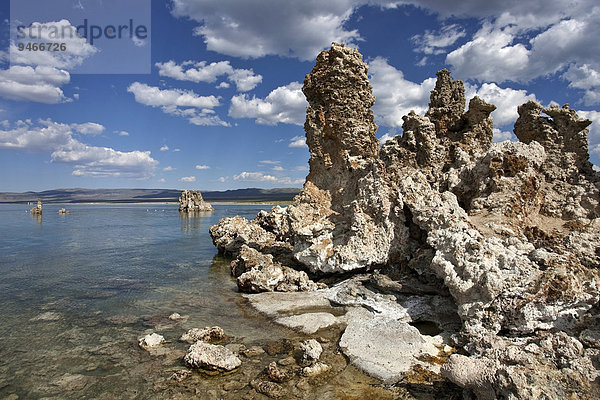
x=42 y=46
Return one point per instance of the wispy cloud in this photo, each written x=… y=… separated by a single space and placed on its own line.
x=297 y=141
x=199 y=110
x=201 y=71
x=60 y=141
x=262 y=177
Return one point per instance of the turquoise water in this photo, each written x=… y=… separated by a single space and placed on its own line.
x=77 y=291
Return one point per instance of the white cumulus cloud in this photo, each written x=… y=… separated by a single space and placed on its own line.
x=38 y=76
x=40 y=84
x=387 y=136
x=183 y=103
x=88 y=128
x=256 y=28
x=506 y=101
x=298 y=141
x=396 y=96
x=546 y=39
x=187 y=179
x=201 y=167
x=201 y=71
x=155 y=97
x=77 y=49
x=286 y=104
x=594 y=128
x=58 y=140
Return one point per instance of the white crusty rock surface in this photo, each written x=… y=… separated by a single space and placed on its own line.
x=504 y=236
x=211 y=357
x=192 y=201
x=151 y=341
x=311 y=351
x=214 y=334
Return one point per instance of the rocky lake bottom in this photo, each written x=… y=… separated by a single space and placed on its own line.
x=78 y=290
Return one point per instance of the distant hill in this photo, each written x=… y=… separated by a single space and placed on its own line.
x=145 y=195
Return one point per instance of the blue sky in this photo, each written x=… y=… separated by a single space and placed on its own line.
x=222 y=107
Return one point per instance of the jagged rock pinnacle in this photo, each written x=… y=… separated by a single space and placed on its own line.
x=340 y=131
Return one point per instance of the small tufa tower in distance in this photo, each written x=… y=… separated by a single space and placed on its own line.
x=37 y=210
x=192 y=201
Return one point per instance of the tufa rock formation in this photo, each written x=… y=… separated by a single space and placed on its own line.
x=37 y=210
x=508 y=232
x=192 y=201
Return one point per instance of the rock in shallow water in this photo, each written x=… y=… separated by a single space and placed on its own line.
x=214 y=334
x=275 y=374
x=386 y=349
x=311 y=351
x=151 y=341
x=211 y=357
x=315 y=369
x=270 y=389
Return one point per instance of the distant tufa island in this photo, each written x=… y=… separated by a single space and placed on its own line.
x=146 y=195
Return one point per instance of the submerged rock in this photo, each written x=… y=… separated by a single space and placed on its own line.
x=274 y=373
x=270 y=389
x=151 y=341
x=211 y=357
x=47 y=316
x=503 y=236
x=180 y=375
x=192 y=201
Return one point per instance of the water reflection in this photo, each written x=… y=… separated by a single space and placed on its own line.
x=37 y=218
x=191 y=221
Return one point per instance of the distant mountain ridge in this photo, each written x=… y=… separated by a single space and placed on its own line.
x=78 y=195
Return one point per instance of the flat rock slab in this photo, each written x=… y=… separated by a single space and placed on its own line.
x=276 y=303
x=308 y=323
x=386 y=349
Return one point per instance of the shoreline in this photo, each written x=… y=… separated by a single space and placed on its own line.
x=228 y=203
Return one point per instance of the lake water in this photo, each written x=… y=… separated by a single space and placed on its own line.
x=78 y=290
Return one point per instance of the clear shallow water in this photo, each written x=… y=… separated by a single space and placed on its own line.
x=78 y=290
